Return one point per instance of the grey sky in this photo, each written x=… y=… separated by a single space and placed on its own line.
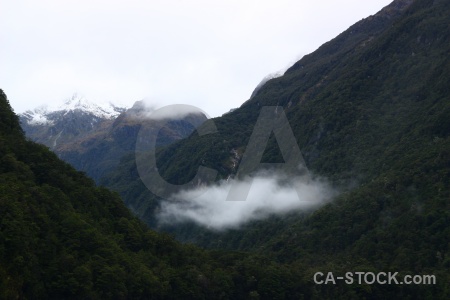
x=210 y=54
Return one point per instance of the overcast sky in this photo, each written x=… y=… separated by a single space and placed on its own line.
x=210 y=54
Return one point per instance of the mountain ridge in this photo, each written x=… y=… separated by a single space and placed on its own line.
x=372 y=119
x=45 y=114
x=370 y=112
x=93 y=138
x=75 y=118
x=63 y=237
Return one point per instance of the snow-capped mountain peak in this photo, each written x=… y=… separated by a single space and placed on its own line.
x=37 y=116
x=45 y=115
x=101 y=110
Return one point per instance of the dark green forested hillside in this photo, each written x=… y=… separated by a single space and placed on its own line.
x=61 y=237
x=370 y=111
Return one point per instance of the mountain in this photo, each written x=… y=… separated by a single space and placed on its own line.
x=62 y=237
x=53 y=126
x=370 y=111
x=93 y=137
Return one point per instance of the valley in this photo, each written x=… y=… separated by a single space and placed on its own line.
x=369 y=191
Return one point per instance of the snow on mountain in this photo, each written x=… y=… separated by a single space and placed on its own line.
x=104 y=110
x=45 y=115
x=37 y=116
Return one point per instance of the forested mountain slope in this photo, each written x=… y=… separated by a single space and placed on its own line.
x=61 y=237
x=370 y=111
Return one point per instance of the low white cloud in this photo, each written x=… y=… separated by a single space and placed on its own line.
x=147 y=109
x=174 y=111
x=268 y=195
